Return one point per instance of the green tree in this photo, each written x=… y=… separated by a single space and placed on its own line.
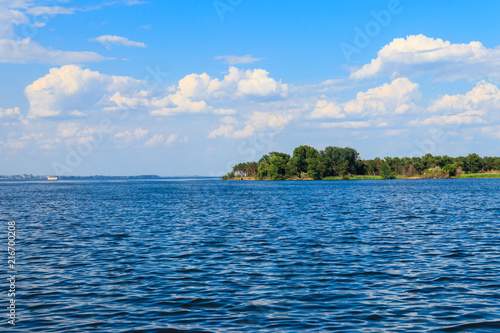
x=386 y=173
x=473 y=163
x=273 y=166
x=228 y=175
x=450 y=168
x=497 y=163
x=338 y=161
x=302 y=156
x=278 y=167
x=488 y=163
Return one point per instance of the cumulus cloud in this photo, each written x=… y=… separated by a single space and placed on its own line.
x=156 y=140
x=418 y=54
x=195 y=91
x=257 y=122
x=159 y=139
x=325 y=109
x=483 y=96
x=348 y=124
x=10 y=113
x=28 y=51
x=478 y=106
x=109 y=40
x=464 y=118
x=226 y=129
x=172 y=138
x=71 y=88
x=235 y=60
x=67 y=130
x=128 y=137
x=396 y=97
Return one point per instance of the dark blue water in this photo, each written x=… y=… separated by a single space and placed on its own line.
x=214 y=256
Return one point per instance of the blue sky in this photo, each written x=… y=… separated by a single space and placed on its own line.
x=192 y=87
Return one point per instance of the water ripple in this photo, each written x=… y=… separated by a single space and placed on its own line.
x=213 y=256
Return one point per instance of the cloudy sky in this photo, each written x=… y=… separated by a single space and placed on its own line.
x=191 y=87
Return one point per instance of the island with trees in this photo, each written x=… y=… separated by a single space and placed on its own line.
x=335 y=163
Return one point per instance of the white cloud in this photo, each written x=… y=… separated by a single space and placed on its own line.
x=395 y=132
x=264 y=122
x=257 y=83
x=327 y=86
x=128 y=137
x=195 y=91
x=172 y=138
x=17 y=49
x=109 y=40
x=483 y=96
x=235 y=60
x=395 y=98
x=237 y=83
x=478 y=106
x=464 y=118
x=159 y=139
x=22 y=140
x=16 y=3
x=71 y=88
x=348 y=124
x=156 y=140
x=258 y=122
x=491 y=131
x=9 y=18
x=15 y=144
x=419 y=54
x=67 y=130
x=325 y=109
x=28 y=51
x=10 y=113
x=51 y=11
x=223 y=111
x=224 y=130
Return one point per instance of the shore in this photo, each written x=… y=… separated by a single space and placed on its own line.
x=364 y=177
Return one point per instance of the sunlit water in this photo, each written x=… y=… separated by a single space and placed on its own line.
x=214 y=256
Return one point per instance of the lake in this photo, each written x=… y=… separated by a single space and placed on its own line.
x=237 y=256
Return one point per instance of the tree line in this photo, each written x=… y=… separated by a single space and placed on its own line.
x=336 y=162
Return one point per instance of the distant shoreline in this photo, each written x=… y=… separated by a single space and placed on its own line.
x=37 y=178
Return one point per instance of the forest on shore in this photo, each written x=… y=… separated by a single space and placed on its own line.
x=345 y=163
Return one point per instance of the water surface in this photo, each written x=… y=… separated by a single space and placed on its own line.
x=214 y=256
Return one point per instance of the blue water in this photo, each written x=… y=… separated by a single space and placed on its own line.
x=214 y=256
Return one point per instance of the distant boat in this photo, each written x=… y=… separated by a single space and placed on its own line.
x=51 y=178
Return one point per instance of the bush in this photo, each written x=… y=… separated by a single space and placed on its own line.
x=228 y=175
x=386 y=172
x=451 y=169
x=497 y=164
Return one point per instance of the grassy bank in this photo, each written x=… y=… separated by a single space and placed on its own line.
x=479 y=175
